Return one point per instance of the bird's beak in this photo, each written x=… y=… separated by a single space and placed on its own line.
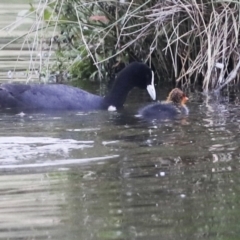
x=185 y=99
x=151 y=89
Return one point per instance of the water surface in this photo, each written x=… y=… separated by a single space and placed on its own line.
x=106 y=175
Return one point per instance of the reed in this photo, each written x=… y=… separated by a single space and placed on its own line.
x=185 y=41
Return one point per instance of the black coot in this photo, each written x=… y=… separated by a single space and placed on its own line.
x=63 y=97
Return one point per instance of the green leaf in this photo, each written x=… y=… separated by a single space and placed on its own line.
x=32 y=9
x=47 y=15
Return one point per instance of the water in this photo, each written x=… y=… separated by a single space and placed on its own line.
x=108 y=175
x=104 y=175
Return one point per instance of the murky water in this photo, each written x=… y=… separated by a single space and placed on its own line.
x=101 y=175
x=112 y=176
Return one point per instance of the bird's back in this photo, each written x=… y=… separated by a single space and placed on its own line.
x=160 y=111
x=47 y=96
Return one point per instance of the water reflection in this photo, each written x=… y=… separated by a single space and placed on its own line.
x=13 y=149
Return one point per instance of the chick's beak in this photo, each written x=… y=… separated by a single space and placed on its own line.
x=185 y=99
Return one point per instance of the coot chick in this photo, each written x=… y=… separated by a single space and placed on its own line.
x=174 y=107
x=63 y=97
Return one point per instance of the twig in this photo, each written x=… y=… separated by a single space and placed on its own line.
x=85 y=42
x=231 y=76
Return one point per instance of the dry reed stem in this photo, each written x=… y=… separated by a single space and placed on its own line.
x=183 y=39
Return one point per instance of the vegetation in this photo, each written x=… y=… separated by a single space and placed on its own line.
x=186 y=41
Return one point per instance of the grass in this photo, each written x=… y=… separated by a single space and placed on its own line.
x=185 y=41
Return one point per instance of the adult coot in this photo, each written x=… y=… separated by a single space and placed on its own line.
x=174 y=107
x=63 y=97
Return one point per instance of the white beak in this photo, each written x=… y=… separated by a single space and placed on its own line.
x=151 y=89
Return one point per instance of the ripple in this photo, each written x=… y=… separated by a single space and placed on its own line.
x=59 y=162
x=83 y=130
x=14 y=149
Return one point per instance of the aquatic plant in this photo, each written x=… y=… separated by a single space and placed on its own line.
x=185 y=41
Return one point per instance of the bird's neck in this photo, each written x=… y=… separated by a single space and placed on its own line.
x=118 y=94
x=182 y=108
